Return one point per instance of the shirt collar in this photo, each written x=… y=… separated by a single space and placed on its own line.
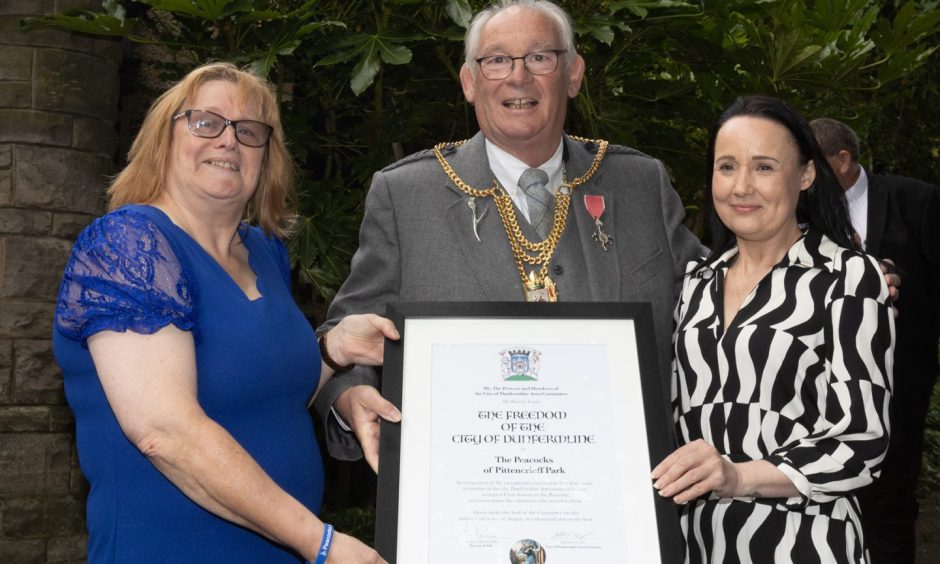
x=811 y=250
x=859 y=190
x=507 y=169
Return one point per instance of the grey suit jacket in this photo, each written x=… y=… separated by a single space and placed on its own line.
x=416 y=243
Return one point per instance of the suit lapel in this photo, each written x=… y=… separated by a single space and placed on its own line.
x=489 y=258
x=877 y=203
x=470 y=163
x=601 y=273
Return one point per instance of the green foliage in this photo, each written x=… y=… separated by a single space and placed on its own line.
x=111 y=22
x=365 y=82
x=904 y=137
x=324 y=240
x=667 y=76
x=930 y=471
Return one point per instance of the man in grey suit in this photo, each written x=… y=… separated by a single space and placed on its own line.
x=452 y=224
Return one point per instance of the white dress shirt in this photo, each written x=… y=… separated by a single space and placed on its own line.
x=508 y=169
x=857 y=197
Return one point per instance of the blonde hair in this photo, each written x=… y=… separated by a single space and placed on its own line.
x=144 y=178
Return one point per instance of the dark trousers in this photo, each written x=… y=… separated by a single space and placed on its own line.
x=889 y=506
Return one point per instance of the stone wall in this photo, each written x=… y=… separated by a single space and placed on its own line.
x=58 y=107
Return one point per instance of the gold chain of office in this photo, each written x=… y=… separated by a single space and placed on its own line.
x=525 y=251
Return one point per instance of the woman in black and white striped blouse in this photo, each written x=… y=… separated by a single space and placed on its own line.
x=783 y=352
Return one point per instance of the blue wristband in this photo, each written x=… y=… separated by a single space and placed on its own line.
x=325 y=543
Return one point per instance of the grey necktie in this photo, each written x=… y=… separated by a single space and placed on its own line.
x=541 y=203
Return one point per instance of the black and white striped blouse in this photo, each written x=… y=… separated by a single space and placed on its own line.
x=802 y=379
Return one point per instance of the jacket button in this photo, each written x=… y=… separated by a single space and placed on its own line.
x=559 y=269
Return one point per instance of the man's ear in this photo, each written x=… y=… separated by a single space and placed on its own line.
x=575 y=75
x=845 y=162
x=466 y=81
x=809 y=175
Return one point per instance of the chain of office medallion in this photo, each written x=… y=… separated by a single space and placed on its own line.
x=504 y=202
x=524 y=250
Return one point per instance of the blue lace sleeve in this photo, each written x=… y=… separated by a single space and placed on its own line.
x=123 y=276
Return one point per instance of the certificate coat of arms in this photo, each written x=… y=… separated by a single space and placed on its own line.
x=520 y=364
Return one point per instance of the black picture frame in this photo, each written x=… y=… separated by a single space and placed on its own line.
x=657 y=416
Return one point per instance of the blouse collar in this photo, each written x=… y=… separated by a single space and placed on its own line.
x=811 y=250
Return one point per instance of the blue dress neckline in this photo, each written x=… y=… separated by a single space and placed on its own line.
x=244 y=232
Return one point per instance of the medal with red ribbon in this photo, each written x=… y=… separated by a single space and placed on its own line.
x=595 y=208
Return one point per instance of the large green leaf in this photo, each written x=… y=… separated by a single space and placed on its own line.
x=211 y=10
x=370 y=51
x=598 y=26
x=363 y=74
x=82 y=22
x=460 y=12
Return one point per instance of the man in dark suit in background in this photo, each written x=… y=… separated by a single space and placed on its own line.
x=896 y=218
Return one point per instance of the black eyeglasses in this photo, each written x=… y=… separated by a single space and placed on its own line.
x=498 y=67
x=210 y=125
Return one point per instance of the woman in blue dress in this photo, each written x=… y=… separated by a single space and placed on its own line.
x=186 y=362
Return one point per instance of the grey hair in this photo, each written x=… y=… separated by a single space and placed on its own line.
x=834 y=136
x=558 y=15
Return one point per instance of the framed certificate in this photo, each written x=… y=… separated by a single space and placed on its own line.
x=528 y=435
